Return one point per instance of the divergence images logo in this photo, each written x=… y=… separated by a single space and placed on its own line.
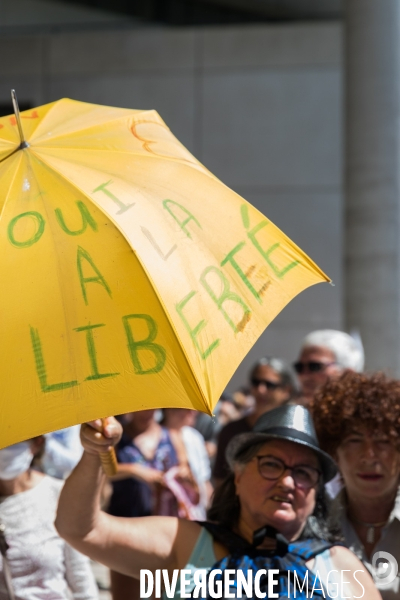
x=385 y=567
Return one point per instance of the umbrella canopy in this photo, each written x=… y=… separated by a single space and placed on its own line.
x=132 y=278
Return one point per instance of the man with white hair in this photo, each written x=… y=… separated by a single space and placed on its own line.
x=325 y=354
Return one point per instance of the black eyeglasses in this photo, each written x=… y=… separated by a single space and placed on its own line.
x=270 y=385
x=312 y=366
x=271 y=468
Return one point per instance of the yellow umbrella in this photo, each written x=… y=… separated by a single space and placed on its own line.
x=132 y=278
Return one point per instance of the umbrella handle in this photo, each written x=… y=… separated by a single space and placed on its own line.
x=109 y=460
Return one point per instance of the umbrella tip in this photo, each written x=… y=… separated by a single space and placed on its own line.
x=24 y=143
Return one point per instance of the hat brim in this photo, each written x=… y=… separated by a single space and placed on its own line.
x=243 y=441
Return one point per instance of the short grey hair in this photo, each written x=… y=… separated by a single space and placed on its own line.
x=347 y=349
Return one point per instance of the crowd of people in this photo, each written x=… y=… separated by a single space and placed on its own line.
x=299 y=471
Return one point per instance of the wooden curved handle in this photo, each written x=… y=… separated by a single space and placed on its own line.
x=109 y=460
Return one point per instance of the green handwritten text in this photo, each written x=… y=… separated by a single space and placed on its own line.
x=82 y=256
x=92 y=352
x=87 y=220
x=41 y=367
x=194 y=332
x=225 y=295
x=267 y=253
x=230 y=257
x=189 y=216
x=40 y=223
x=136 y=347
x=103 y=188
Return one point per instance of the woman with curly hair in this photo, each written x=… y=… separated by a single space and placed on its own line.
x=357 y=419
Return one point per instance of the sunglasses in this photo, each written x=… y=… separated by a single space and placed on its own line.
x=311 y=366
x=270 y=385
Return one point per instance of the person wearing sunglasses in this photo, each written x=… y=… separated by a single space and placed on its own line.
x=268 y=514
x=272 y=383
x=325 y=355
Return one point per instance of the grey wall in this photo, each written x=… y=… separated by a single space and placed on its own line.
x=260 y=106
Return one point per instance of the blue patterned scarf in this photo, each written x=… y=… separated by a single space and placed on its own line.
x=295 y=580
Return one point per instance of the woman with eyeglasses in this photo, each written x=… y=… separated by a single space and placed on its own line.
x=267 y=515
x=324 y=355
x=272 y=384
x=357 y=418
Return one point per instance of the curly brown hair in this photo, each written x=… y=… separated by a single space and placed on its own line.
x=353 y=399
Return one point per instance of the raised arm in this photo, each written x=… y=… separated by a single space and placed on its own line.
x=124 y=545
x=353 y=571
x=141 y=472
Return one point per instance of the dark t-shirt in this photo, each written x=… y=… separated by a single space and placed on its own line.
x=227 y=433
x=207 y=426
x=131 y=497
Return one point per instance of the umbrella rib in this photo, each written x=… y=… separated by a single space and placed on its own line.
x=1 y=215
x=8 y=194
x=195 y=162
x=107 y=119
x=36 y=125
x=11 y=154
x=182 y=161
x=74 y=185
x=49 y=112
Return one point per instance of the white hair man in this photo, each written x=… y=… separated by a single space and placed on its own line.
x=326 y=354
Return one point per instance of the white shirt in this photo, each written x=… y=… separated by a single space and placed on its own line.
x=388 y=543
x=43 y=566
x=199 y=462
x=62 y=451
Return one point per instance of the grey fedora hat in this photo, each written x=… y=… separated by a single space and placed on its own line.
x=289 y=422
